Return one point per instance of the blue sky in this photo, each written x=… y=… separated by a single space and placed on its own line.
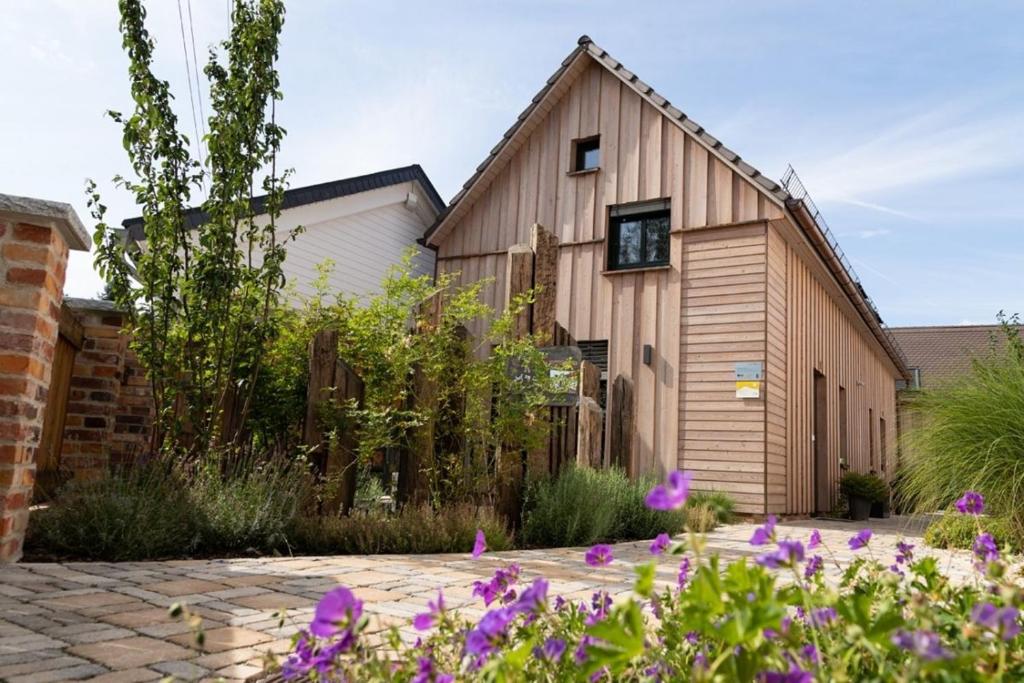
x=905 y=120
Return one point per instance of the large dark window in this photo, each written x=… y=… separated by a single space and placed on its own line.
x=638 y=235
x=586 y=154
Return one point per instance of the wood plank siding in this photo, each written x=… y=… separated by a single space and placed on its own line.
x=820 y=335
x=736 y=289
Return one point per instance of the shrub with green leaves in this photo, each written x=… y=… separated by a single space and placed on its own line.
x=412 y=530
x=953 y=530
x=969 y=433
x=162 y=510
x=248 y=505
x=581 y=506
x=147 y=513
x=772 y=619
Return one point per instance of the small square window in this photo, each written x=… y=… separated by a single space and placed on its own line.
x=586 y=154
x=638 y=236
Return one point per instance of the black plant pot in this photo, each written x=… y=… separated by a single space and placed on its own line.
x=880 y=510
x=860 y=508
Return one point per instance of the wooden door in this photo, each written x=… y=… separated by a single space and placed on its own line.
x=822 y=497
x=48 y=456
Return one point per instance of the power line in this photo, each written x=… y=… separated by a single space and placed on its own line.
x=195 y=69
x=191 y=97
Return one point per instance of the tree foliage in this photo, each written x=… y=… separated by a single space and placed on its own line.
x=201 y=301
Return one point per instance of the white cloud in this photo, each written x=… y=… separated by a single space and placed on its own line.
x=948 y=142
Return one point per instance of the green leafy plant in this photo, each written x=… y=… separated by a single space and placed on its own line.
x=968 y=433
x=164 y=509
x=582 y=506
x=952 y=530
x=775 y=618
x=867 y=486
x=422 y=529
x=201 y=302
x=146 y=513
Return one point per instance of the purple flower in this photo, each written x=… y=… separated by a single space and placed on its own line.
x=823 y=616
x=764 y=535
x=498 y=585
x=972 y=503
x=599 y=556
x=480 y=545
x=684 y=573
x=580 y=655
x=904 y=553
x=338 y=610
x=425 y=672
x=1005 y=622
x=815 y=540
x=600 y=603
x=794 y=675
x=552 y=650
x=673 y=494
x=924 y=644
x=810 y=653
x=860 y=540
x=488 y=634
x=427 y=620
x=985 y=548
x=533 y=599
x=814 y=566
x=788 y=554
x=660 y=544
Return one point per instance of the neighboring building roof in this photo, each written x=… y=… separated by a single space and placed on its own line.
x=57 y=215
x=82 y=304
x=319 y=193
x=774 y=191
x=943 y=353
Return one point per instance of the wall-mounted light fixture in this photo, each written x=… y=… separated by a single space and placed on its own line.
x=648 y=354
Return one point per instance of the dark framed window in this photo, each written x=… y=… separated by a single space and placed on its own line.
x=586 y=154
x=638 y=235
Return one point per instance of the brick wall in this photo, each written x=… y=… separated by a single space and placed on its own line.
x=35 y=237
x=110 y=407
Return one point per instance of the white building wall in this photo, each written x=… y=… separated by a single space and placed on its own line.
x=364 y=235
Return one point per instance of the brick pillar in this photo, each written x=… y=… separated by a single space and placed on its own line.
x=110 y=403
x=35 y=236
x=95 y=391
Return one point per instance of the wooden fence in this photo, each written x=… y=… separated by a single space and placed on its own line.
x=577 y=423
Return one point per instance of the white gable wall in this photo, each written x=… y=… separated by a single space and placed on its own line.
x=364 y=234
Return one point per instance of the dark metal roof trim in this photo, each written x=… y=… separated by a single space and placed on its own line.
x=321 y=192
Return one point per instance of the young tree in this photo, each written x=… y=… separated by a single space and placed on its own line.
x=200 y=297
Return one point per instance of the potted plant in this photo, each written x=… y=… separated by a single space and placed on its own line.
x=880 y=504
x=862 y=491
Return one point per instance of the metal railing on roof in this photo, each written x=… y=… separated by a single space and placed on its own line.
x=796 y=189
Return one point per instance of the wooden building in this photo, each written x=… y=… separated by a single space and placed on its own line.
x=688 y=266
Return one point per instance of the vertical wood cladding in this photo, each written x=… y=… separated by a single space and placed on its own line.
x=733 y=291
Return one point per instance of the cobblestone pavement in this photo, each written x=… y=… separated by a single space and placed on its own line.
x=109 y=622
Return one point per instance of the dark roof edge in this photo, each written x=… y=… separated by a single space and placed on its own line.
x=320 y=192
x=947 y=326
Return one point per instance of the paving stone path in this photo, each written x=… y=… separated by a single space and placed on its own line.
x=109 y=621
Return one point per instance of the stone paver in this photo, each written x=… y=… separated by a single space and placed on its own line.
x=110 y=621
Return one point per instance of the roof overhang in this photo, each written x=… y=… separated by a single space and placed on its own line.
x=309 y=194
x=802 y=217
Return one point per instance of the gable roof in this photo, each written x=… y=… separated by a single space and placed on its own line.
x=586 y=50
x=318 y=193
x=944 y=353
x=572 y=66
